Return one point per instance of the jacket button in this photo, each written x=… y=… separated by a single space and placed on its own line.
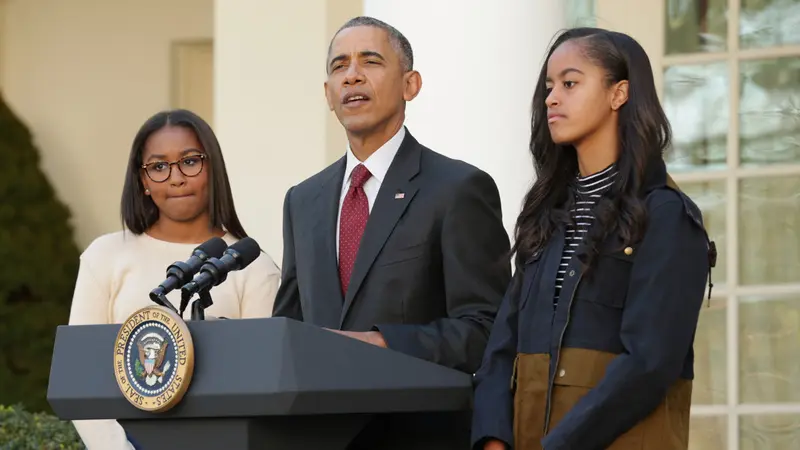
x=628 y=251
x=562 y=372
x=572 y=273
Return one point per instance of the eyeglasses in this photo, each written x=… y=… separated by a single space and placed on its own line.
x=160 y=171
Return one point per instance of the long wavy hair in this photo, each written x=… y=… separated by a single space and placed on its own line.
x=644 y=134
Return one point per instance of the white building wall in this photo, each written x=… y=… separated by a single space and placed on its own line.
x=479 y=62
x=84 y=75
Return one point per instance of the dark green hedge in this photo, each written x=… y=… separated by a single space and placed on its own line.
x=38 y=266
x=21 y=430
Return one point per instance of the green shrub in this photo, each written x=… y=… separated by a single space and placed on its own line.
x=38 y=266
x=21 y=430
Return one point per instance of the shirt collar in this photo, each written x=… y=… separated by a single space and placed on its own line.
x=596 y=183
x=377 y=163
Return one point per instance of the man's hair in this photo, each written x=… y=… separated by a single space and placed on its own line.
x=396 y=38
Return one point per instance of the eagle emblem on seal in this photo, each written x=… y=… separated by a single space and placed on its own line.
x=152 y=351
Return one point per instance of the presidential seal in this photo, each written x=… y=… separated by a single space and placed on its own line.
x=154 y=359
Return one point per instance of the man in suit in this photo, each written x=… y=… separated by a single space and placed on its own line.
x=393 y=244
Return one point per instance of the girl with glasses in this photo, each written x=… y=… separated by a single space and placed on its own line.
x=176 y=196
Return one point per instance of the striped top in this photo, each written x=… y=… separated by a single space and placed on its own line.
x=588 y=191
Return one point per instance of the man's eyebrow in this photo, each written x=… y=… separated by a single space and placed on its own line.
x=337 y=58
x=362 y=54
x=371 y=53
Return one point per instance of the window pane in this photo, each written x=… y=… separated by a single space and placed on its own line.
x=769 y=432
x=769 y=230
x=769 y=23
x=696 y=103
x=693 y=26
x=580 y=13
x=769 y=367
x=710 y=198
x=710 y=358
x=770 y=111
x=708 y=433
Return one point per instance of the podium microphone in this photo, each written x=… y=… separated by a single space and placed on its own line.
x=181 y=272
x=215 y=270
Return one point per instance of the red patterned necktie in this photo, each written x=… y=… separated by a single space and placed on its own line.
x=355 y=212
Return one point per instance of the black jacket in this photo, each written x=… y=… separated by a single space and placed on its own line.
x=431 y=267
x=640 y=305
x=429 y=275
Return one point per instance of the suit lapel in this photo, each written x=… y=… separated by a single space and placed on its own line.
x=387 y=210
x=324 y=234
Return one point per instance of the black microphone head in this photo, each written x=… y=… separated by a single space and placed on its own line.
x=213 y=248
x=247 y=250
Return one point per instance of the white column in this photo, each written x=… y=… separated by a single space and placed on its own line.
x=269 y=105
x=479 y=62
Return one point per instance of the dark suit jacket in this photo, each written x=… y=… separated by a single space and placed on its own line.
x=432 y=266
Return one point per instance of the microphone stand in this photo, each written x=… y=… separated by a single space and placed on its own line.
x=159 y=298
x=185 y=297
x=199 y=305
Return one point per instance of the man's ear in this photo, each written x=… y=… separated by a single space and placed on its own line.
x=619 y=96
x=327 y=96
x=412 y=83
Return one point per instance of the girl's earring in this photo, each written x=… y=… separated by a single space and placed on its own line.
x=147 y=192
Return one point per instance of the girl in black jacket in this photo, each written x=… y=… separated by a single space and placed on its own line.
x=592 y=346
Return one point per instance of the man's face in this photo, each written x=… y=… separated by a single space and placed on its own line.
x=367 y=85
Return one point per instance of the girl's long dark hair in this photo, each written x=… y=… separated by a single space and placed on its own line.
x=644 y=133
x=139 y=212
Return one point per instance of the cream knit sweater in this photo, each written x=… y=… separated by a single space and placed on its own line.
x=117 y=273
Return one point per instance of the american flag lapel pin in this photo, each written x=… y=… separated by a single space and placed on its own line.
x=399 y=195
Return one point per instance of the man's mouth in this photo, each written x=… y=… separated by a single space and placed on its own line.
x=355 y=100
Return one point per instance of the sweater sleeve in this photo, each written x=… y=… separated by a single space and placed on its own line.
x=90 y=300
x=104 y=434
x=260 y=288
x=91 y=305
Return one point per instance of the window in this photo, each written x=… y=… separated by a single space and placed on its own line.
x=580 y=13
x=731 y=88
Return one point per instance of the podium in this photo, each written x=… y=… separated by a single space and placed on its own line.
x=269 y=384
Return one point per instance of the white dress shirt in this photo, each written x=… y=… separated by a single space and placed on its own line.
x=378 y=164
